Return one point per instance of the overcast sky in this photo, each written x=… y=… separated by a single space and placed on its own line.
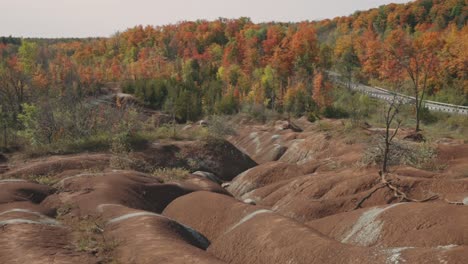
x=85 y=18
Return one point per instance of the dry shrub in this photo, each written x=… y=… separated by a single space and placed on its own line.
x=419 y=155
x=171 y=174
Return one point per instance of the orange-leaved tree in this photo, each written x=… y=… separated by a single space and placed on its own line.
x=322 y=90
x=417 y=56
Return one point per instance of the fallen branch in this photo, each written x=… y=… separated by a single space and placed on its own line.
x=358 y=205
x=397 y=193
x=400 y=194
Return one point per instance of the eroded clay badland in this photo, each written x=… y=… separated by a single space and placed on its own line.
x=290 y=137
x=267 y=195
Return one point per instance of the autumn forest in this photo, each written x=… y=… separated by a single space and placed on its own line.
x=199 y=68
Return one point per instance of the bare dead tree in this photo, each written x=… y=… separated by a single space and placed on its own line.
x=390 y=116
x=391 y=119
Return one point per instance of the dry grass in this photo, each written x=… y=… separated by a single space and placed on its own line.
x=88 y=235
x=171 y=174
x=44 y=179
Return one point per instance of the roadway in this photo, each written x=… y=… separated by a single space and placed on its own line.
x=384 y=94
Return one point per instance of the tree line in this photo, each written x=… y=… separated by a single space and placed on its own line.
x=205 y=67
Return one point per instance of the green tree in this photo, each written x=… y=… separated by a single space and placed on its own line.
x=270 y=83
x=27 y=55
x=348 y=64
x=4 y=125
x=227 y=105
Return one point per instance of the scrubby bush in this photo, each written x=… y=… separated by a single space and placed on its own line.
x=312 y=117
x=261 y=113
x=258 y=113
x=427 y=117
x=220 y=127
x=69 y=125
x=457 y=122
x=334 y=112
x=39 y=125
x=228 y=105
x=357 y=106
x=152 y=92
x=418 y=155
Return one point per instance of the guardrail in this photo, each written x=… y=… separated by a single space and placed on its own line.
x=381 y=93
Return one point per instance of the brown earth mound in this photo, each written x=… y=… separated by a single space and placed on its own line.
x=311 y=200
x=207 y=213
x=266 y=174
x=322 y=194
x=218 y=157
x=57 y=164
x=13 y=190
x=154 y=239
x=399 y=225
x=453 y=158
x=85 y=192
x=28 y=211
x=30 y=237
x=241 y=233
x=276 y=142
x=35 y=243
x=261 y=144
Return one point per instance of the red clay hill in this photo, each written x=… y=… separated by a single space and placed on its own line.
x=269 y=194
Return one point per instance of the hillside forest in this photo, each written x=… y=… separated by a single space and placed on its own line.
x=194 y=69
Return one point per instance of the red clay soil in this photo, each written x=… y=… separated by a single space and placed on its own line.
x=265 y=174
x=29 y=207
x=85 y=192
x=242 y=233
x=28 y=236
x=198 y=183
x=318 y=195
x=273 y=142
x=339 y=180
x=298 y=206
x=18 y=190
x=154 y=238
x=57 y=164
x=207 y=213
x=33 y=243
x=455 y=158
x=399 y=225
x=31 y=217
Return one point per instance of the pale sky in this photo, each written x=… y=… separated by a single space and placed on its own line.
x=89 y=18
